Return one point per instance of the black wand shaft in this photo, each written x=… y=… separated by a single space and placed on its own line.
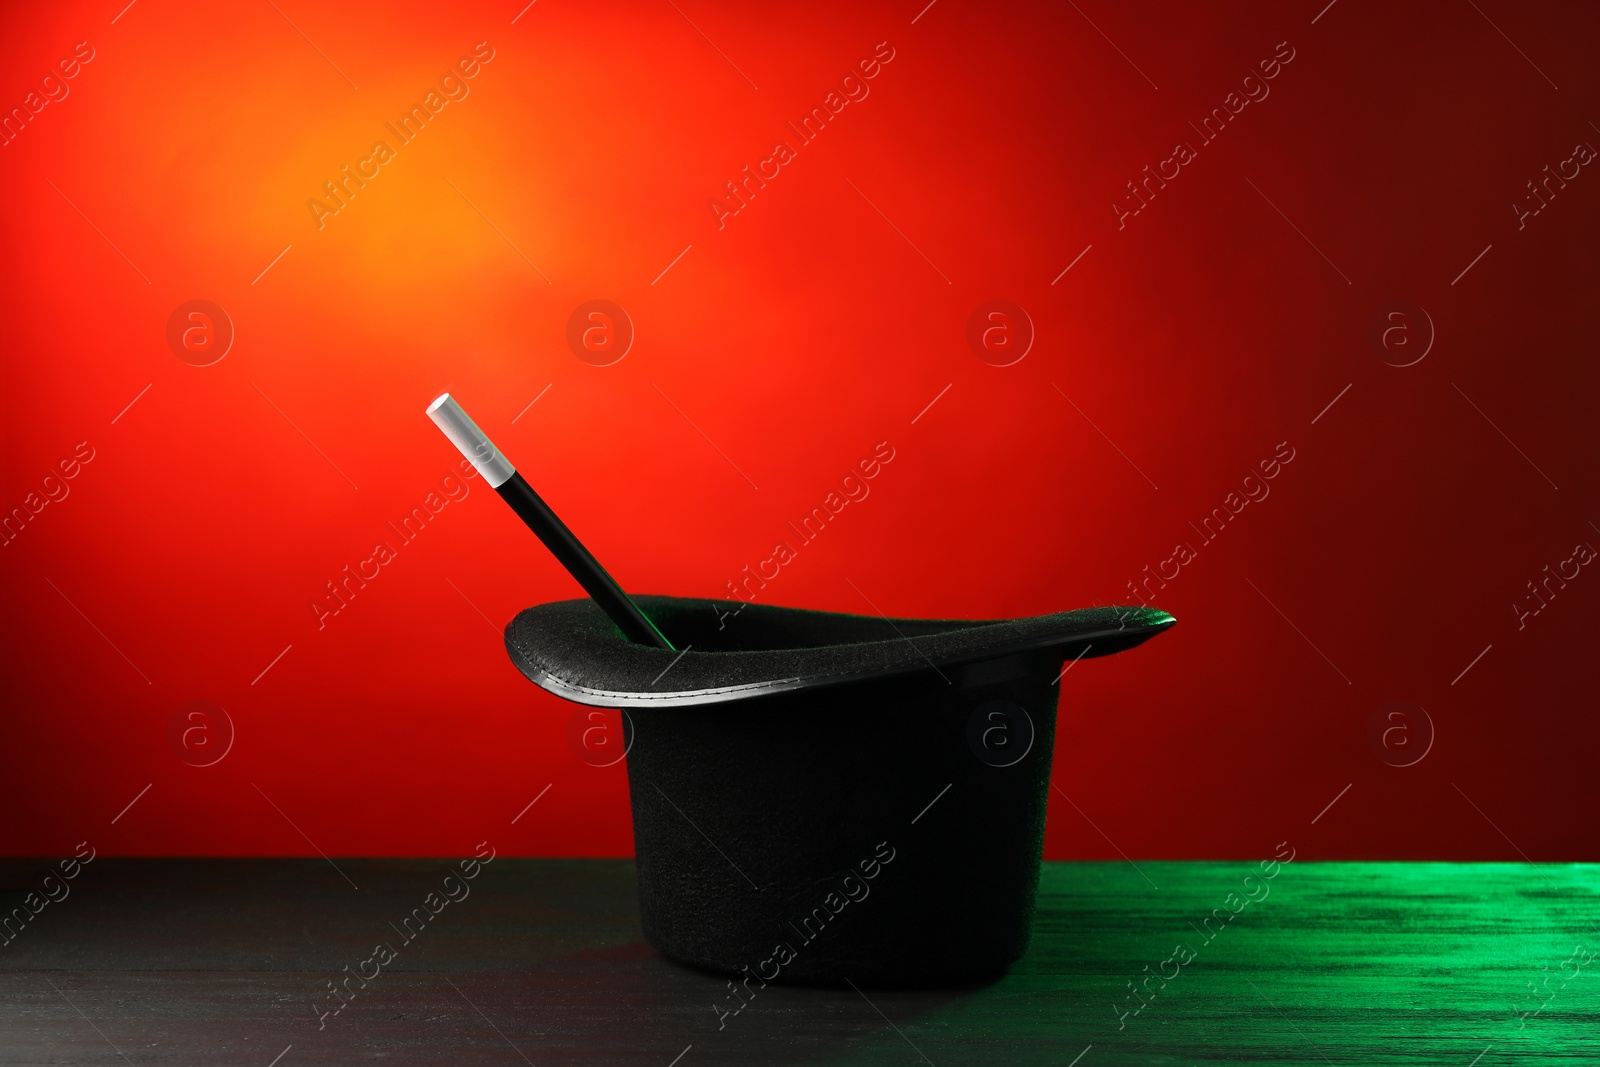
x=458 y=426
x=580 y=562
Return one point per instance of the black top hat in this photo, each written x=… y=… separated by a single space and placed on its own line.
x=822 y=797
x=789 y=780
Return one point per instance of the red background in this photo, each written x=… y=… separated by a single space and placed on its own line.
x=1197 y=338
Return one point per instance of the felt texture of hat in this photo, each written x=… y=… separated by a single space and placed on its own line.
x=572 y=649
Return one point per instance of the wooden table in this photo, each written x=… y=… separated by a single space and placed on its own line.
x=219 y=962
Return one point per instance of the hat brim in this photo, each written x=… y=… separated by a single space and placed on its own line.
x=728 y=654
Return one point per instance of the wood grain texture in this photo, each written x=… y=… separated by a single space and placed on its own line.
x=221 y=961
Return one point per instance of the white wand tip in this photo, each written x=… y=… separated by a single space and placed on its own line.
x=472 y=442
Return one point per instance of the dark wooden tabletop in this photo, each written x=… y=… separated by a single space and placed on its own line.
x=223 y=962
